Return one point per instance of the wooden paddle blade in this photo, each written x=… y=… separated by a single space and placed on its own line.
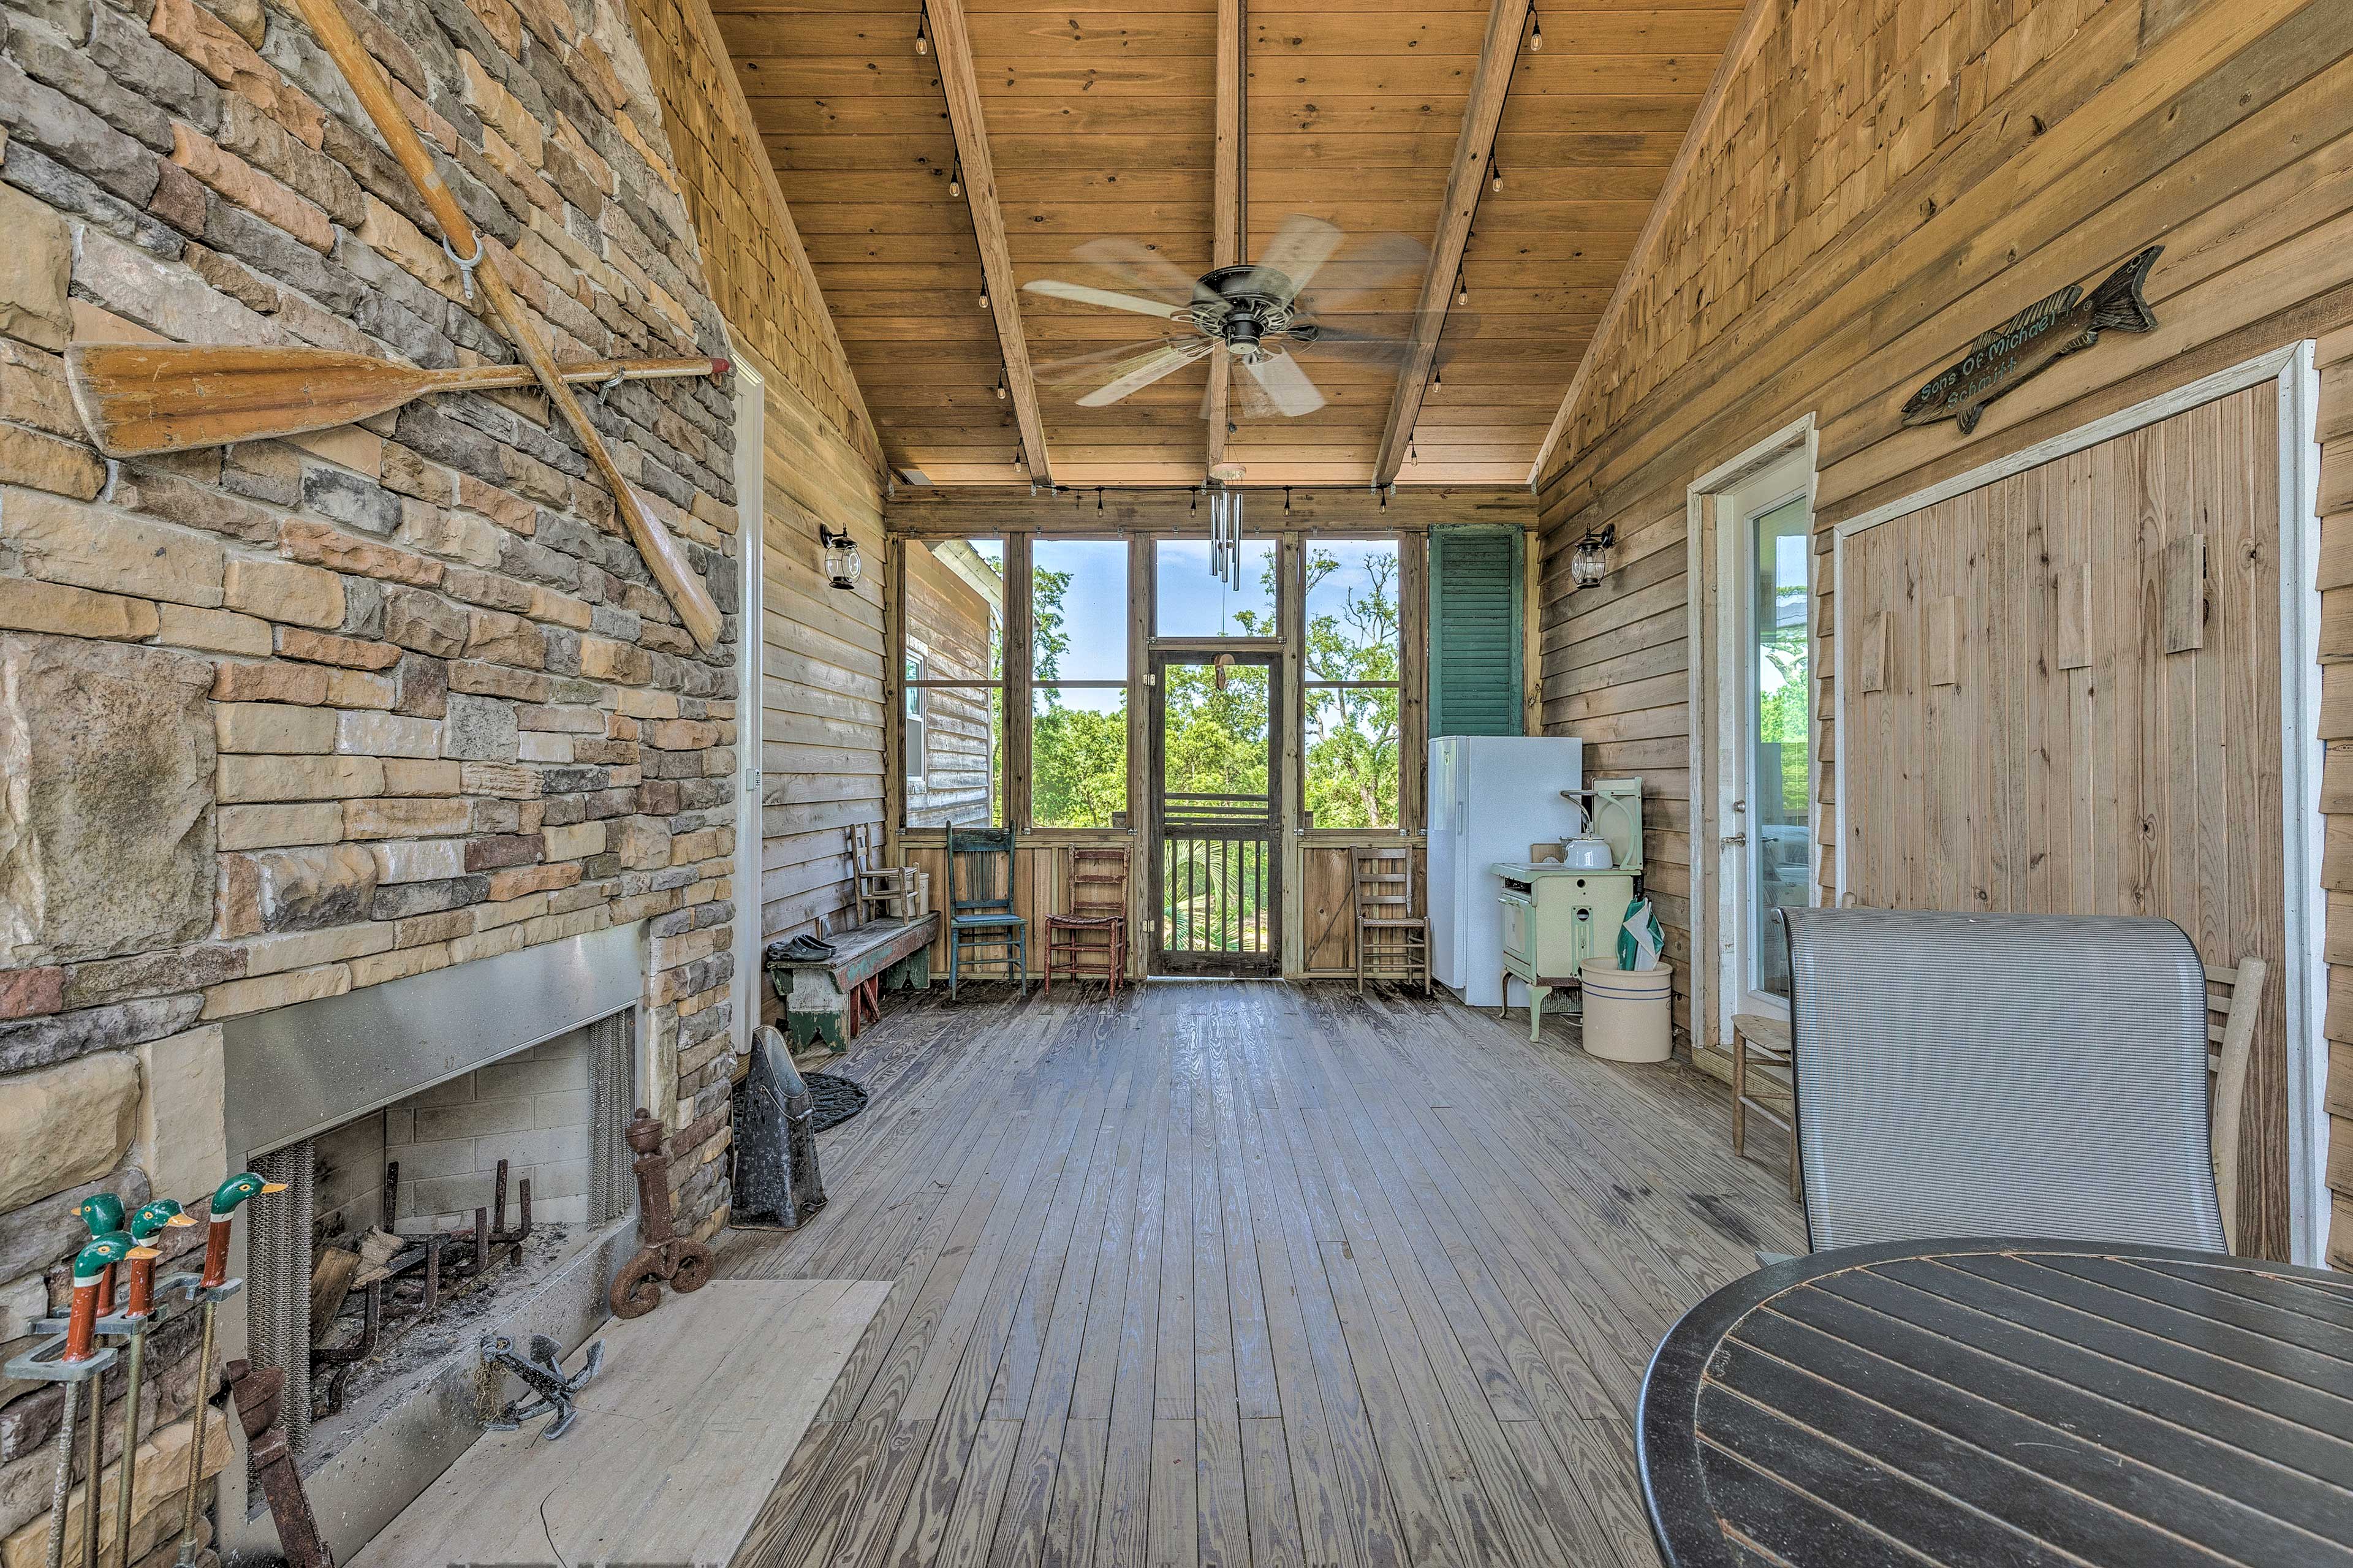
x=138 y=398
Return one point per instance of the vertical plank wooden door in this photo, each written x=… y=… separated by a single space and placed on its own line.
x=2079 y=711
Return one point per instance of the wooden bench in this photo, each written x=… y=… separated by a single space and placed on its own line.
x=829 y=999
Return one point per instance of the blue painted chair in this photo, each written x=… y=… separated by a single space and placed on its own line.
x=980 y=904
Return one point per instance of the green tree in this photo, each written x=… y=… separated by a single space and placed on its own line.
x=1078 y=756
x=1352 y=732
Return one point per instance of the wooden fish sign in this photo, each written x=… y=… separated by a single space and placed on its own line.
x=2034 y=340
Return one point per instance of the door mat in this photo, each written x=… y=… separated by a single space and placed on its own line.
x=834 y=1100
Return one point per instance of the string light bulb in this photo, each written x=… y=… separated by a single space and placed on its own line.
x=1000 y=386
x=984 y=295
x=1462 y=289
x=1535 y=32
x=956 y=178
x=923 y=39
x=1495 y=174
x=1437 y=375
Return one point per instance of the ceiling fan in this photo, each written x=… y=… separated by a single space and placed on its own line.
x=1257 y=313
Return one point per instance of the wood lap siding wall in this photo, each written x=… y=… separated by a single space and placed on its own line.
x=822 y=710
x=1874 y=186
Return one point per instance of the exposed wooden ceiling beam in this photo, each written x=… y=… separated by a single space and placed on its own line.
x=1505 y=21
x=1228 y=221
x=1744 y=34
x=985 y=512
x=952 y=41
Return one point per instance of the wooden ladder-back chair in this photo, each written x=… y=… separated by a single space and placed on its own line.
x=2235 y=999
x=882 y=890
x=980 y=904
x=1090 y=940
x=1381 y=886
x=1761 y=1083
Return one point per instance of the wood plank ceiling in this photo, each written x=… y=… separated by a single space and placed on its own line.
x=1101 y=120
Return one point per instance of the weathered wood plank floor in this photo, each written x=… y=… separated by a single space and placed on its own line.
x=1250 y=1273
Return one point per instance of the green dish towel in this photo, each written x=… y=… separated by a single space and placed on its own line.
x=1639 y=938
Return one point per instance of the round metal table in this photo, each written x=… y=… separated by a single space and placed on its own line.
x=2010 y=1402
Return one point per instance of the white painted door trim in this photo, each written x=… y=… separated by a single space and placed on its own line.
x=1714 y=671
x=2306 y=971
x=751 y=418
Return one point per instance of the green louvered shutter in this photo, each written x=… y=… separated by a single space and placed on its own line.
x=1475 y=631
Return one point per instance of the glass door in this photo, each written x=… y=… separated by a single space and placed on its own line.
x=1759 y=589
x=1215 y=867
x=1777 y=721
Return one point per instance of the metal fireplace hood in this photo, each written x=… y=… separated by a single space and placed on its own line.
x=340 y=1056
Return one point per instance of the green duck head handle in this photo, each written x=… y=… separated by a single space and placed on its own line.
x=103 y=1212
x=90 y=1264
x=151 y=1218
x=232 y=1193
x=239 y=1187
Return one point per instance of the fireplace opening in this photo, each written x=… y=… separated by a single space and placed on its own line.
x=395 y=1115
x=412 y=1230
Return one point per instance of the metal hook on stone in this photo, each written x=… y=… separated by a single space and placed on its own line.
x=466 y=265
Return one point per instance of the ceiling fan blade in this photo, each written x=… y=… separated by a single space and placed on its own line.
x=1082 y=294
x=1088 y=366
x=1299 y=247
x=1142 y=372
x=1285 y=383
x=1142 y=266
x=1373 y=349
x=1373 y=263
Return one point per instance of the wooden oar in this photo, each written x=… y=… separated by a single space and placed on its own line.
x=687 y=593
x=138 y=398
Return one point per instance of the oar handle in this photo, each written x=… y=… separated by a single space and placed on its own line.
x=488 y=377
x=687 y=592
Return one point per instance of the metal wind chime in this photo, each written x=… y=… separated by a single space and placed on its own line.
x=1226 y=536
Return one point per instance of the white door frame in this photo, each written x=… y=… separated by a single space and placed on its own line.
x=2292 y=370
x=751 y=417
x=1717 y=672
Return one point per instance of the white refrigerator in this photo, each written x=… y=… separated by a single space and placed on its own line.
x=1491 y=797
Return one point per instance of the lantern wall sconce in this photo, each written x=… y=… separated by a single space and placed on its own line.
x=842 y=562
x=1589 y=559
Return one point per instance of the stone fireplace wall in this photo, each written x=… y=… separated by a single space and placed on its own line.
x=293 y=717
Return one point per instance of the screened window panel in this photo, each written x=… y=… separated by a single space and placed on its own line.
x=955 y=607
x=1078 y=599
x=962 y=777
x=1192 y=604
x=1078 y=755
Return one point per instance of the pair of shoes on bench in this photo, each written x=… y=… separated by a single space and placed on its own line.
x=803 y=948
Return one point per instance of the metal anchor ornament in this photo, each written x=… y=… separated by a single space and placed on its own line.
x=543 y=1372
